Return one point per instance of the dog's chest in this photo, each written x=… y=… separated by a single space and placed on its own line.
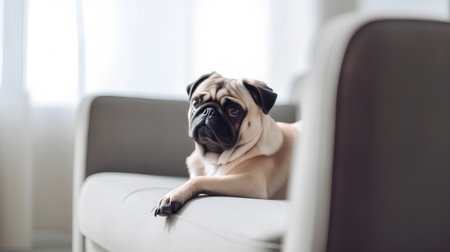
x=213 y=170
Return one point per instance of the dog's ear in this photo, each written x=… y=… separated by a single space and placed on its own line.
x=262 y=95
x=191 y=87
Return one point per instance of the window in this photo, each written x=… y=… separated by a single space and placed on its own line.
x=52 y=52
x=146 y=48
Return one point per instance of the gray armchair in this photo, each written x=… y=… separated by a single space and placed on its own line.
x=371 y=169
x=373 y=164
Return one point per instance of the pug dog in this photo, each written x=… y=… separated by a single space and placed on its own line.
x=240 y=150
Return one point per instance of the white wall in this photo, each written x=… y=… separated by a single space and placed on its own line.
x=436 y=8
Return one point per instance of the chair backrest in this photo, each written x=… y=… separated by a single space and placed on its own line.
x=140 y=135
x=372 y=167
x=391 y=165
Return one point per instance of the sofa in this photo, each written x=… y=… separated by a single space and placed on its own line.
x=135 y=153
x=371 y=168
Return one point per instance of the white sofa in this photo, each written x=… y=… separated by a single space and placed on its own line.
x=371 y=168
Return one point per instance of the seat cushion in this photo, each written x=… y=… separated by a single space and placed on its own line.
x=115 y=211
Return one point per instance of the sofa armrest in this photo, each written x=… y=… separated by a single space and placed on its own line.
x=128 y=134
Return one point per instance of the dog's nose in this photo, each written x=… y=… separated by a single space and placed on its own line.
x=209 y=112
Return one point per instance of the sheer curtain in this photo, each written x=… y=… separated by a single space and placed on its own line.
x=15 y=143
x=155 y=48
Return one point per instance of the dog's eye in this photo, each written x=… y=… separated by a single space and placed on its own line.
x=233 y=111
x=195 y=104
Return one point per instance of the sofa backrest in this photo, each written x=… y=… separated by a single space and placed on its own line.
x=147 y=136
x=391 y=169
x=372 y=168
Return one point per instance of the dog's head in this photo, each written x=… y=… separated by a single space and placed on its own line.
x=226 y=113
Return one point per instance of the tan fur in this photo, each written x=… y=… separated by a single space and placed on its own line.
x=257 y=167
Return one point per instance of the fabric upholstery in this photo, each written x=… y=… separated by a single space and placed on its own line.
x=391 y=172
x=138 y=136
x=116 y=213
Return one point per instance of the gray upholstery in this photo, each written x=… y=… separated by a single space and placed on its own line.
x=147 y=136
x=391 y=171
x=137 y=135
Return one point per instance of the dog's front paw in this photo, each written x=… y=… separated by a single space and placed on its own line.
x=167 y=206
x=173 y=201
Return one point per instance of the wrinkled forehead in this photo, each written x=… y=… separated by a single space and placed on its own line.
x=221 y=90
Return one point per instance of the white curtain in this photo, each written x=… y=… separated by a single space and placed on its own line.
x=156 y=47
x=15 y=137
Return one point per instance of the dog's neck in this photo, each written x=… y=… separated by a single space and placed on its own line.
x=267 y=142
